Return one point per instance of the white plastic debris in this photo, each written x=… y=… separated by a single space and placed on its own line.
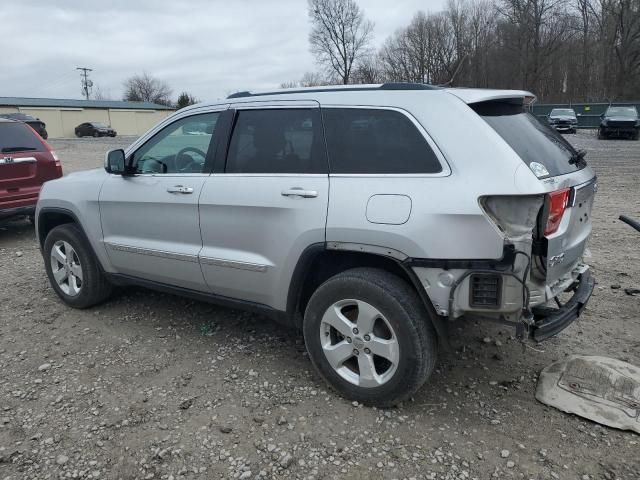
x=601 y=389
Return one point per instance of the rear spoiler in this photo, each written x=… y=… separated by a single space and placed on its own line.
x=478 y=95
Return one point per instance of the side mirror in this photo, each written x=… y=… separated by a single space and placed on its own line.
x=114 y=162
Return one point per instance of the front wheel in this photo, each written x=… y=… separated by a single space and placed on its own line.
x=96 y=134
x=72 y=268
x=369 y=336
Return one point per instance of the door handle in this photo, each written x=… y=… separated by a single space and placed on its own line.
x=299 y=192
x=179 y=189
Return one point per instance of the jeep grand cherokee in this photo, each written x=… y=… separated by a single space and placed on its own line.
x=357 y=214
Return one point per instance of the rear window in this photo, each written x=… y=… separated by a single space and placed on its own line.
x=533 y=141
x=17 y=137
x=361 y=140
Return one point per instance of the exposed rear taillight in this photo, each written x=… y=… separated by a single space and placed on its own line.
x=558 y=202
x=515 y=215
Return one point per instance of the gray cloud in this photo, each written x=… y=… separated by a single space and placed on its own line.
x=206 y=47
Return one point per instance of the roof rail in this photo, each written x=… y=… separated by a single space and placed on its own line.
x=384 y=86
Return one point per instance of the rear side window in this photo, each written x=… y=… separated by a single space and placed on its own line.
x=376 y=141
x=532 y=140
x=18 y=137
x=276 y=141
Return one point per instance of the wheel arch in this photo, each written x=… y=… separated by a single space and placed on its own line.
x=50 y=217
x=318 y=263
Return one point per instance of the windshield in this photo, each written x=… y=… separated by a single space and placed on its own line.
x=563 y=111
x=99 y=125
x=539 y=146
x=629 y=112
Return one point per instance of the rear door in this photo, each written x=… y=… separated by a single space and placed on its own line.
x=262 y=207
x=23 y=161
x=150 y=219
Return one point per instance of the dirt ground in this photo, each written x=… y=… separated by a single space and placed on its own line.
x=158 y=387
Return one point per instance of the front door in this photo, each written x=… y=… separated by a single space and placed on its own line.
x=269 y=203
x=150 y=219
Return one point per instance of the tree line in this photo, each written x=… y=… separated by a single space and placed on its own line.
x=562 y=50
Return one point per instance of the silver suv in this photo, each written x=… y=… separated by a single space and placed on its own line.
x=370 y=217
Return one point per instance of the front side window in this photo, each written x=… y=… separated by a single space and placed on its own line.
x=375 y=141
x=276 y=141
x=180 y=147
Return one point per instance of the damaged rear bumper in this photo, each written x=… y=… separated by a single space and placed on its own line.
x=551 y=321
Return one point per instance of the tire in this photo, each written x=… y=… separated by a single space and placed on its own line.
x=93 y=288
x=96 y=134
x=78 y=135
x=601 y=135
x=402 y=318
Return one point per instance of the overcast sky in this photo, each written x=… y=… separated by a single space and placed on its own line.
x=206 y=47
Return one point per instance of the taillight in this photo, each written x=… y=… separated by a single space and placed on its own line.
x=55 y=158
x=558 y=202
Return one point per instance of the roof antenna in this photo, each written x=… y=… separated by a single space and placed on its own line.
x=453 y=77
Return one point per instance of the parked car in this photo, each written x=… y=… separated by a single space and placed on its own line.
x=38 y=125
x=355 y=214
x=564 y=120
x=26 y=162
x=94 y=129
x=620 y=122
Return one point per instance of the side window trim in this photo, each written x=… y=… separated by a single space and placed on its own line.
x=318 y=131
x=446 y=168
x=211 y=148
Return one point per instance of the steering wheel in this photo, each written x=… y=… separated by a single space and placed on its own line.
x=185 y=162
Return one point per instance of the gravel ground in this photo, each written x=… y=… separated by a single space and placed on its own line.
x=158 y=387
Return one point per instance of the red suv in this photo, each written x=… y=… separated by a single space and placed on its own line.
x=26 y=162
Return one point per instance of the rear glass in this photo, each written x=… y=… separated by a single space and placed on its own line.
x=531 y=139
x=15 y=137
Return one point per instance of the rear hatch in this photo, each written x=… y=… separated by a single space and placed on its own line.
x=564 y=222
x=25 y=163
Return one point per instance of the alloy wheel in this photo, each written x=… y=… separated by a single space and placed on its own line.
x=66 y=268
x=359 y=343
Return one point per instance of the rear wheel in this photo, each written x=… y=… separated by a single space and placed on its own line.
x=72 y=268
x=369 y=336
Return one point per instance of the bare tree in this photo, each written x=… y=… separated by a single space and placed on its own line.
x=100 y=94
x=368 y=70
x=562 y=50
x=340 y=35
x=314 y=79
x=145 y=88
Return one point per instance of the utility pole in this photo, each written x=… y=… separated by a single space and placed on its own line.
x=86 y=83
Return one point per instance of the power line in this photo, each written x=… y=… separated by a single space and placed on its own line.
x=86 y=83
